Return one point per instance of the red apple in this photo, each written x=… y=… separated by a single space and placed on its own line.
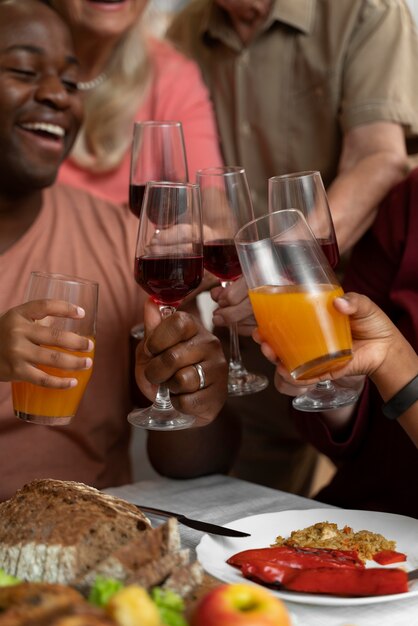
x=240 y=604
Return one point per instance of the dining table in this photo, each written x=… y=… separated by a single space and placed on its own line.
x=222 y=499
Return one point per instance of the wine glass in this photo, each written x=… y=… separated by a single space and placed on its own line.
x=158 y=153
x=168 y=266
x=305 y=191
x=291 y=288
x=226 y=206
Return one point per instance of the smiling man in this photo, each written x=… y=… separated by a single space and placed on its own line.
x=53 y=228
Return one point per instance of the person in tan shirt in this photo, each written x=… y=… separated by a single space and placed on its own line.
x=305 y=85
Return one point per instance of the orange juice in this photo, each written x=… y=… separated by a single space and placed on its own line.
x=43 y=405
x=303 y=327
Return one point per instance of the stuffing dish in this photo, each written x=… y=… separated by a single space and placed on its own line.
x=328 y=535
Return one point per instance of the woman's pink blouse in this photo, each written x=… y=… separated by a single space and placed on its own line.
x=178 y=93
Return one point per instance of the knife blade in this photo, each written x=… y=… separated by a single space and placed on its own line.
x=413 y=574
x=207 y=527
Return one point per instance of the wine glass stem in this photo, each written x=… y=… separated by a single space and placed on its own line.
x=235 y=361
x=324 y=384
x=162 y=399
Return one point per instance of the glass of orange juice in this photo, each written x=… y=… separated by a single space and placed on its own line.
x=43 y=405
x=291 y=288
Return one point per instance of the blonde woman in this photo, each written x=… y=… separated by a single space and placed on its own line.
x=128 y=77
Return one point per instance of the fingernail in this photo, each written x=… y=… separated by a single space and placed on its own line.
x=88 y=363
x=80 y=311
x=90 y=346
x=73 y=382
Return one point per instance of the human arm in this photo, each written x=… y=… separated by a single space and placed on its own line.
x=168 y=354
x=373 y=160
x=24 y=341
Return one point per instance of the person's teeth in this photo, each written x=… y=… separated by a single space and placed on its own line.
x=47 y=128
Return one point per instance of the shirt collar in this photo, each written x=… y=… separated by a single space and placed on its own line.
x=297 y=13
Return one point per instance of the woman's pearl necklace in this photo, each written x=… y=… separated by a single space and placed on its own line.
x=91 y=84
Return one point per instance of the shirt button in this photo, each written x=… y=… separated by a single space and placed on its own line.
x=245 y=129
x=244 y=58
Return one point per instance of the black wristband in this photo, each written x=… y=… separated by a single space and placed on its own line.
x=402 y=400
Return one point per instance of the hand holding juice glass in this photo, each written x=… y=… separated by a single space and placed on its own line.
x=48 y=405
x=292 y=288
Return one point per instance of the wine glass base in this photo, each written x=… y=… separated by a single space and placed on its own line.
x=243 y=383
x=152 y=418
x=325 y=397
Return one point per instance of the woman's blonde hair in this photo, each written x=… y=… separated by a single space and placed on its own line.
x=110 y=108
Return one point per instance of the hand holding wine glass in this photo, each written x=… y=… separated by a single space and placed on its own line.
x=168 y=266
x=158 y=153
x=226 y=206
x=305 y=192
x=292 y=288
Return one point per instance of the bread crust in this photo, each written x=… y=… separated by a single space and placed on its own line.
x=56 y=531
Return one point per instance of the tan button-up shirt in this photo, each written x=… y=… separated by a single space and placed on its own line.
x=316 y=69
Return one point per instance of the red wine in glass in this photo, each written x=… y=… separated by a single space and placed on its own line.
x=169 y=279
x=221 y=259
x=226 y=205
x=168 y=266
x=136 y=196
x=158 y=154
x=330 y=249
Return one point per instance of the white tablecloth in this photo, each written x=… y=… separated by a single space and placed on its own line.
x=221 y=499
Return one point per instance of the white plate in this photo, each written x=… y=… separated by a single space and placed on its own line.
x=213 y=551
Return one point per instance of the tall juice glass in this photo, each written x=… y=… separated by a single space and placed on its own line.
x=43 y=405
x=292 y=288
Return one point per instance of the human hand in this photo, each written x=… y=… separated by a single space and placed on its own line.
x=168 y=353
x=234 y=307
x=375 y=338
x=24 y=342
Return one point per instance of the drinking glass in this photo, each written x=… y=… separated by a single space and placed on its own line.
x=226 y=206
x=43 y=405
x=305 y=191
x=291 y=288
x=168 y=266
x=158 y=154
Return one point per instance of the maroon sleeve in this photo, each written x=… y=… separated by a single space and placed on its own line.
x=315 y=430
x=383 y=266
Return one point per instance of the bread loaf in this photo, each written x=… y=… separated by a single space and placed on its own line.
x=56 y=531
x=68 y=533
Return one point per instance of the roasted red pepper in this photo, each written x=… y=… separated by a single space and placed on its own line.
x=310 y=570
x=299 y=558
x=340 y=582
x=349 y=582
x=387 y=557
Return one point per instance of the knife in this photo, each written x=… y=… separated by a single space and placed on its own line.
x=413 y=574
x=206 y=527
